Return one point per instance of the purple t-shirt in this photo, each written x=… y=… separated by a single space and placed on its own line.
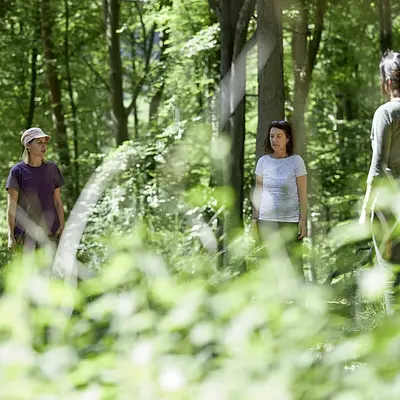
x=36 y=186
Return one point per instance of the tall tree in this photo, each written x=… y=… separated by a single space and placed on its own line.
x=54 y=84
x=33 y=85
x=71 y=99
x=233 y=17
x=385 y=22
x=156 y=99
x=119 y=115
x=305 y=45
x=271 y=91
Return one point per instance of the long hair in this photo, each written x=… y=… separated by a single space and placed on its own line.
x=389 y=69
x=25 y=155
x=287 y=128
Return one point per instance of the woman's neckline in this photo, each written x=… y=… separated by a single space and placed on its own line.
x=33 y=166
x=279 y=158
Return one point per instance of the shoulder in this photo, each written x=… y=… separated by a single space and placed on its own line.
x=297 y=158
x=264 y=158
x=382 y=112
x=17 y=167
x=51 y=165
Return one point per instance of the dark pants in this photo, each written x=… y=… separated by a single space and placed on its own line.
x=278 y=236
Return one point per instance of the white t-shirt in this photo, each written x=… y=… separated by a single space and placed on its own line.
x=279 y=198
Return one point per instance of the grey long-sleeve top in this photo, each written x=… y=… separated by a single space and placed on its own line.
x=385 y=140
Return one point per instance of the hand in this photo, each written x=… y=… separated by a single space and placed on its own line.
x=59 y=232
x=302 y=229
x=11 y=242
x=254 y=230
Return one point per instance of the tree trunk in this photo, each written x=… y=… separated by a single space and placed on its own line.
x=72 y=101
x=32 y=95
x=237 y=95
x=54 y=87
x=304 y=54
x=233 y=17
x=156 y=99
x=120 y=119
x=271 y=90
x=385 y=22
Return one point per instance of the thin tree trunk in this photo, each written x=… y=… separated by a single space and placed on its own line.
x=136 y=118
x=304 y=54
x=112 y=16
x=156 y=99
x=271 y=90
x=234 y=17
x=32 y=95
x=72 y=101
x=54 y=87
x=385 y=22
x=238 y=106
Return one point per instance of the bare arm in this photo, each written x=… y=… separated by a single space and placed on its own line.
x=302 y=191
x=59 y=209
x=257 y=196
x=366 y=206
x=12 y=201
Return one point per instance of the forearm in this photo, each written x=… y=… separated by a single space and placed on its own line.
x=60 y=213
x=11 y=220
x=256 y=202
x=303 y=208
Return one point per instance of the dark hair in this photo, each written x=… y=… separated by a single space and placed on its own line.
x=389 y=69
x=287 y=128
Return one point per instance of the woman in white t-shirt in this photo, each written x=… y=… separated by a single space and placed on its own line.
x=280 y=195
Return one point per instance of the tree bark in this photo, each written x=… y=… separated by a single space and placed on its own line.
x=54 y=87
x=237 y=121
x=271 y=90
x=156 y=99
x=233 y=17
x=72 y=101
x=385 y=22
x=304 y=54
x=119 y=115
x=32 y=95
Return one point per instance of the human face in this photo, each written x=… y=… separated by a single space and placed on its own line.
x=278 y=140
x=38 y=147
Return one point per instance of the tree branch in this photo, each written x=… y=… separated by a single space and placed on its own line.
x=140 y=12
x=148 y=51
x=97 y=74
x=245 y=15
x=317 y=34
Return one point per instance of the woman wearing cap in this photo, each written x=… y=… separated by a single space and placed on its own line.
x=385 y=165
x=280 y=196
x=34 y=198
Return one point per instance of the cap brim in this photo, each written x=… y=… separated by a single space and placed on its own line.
x=47 y=137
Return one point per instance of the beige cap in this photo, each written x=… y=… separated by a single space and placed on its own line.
x=33 y=133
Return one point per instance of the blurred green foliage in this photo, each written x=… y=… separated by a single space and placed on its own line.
x=154 y=317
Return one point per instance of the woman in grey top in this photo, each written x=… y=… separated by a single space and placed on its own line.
x=385 y=163
x=280 y=196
